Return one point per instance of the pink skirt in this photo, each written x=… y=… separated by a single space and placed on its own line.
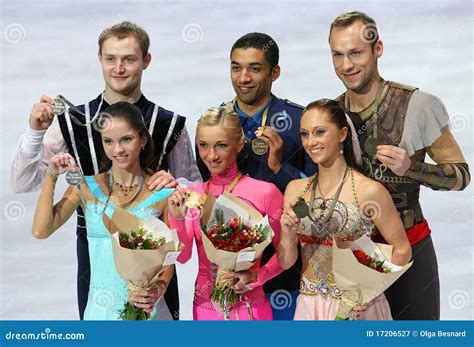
x=316 y=307
x=205 y=310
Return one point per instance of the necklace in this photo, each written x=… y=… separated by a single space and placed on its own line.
x=124 y=190
x=318 y=186
x=333 y=204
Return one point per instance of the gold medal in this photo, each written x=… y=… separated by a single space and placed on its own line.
x=193 y=200
x=259 y=146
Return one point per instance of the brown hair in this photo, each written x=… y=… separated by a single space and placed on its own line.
x=337 y=116
x=133 y=116
x=123 y=30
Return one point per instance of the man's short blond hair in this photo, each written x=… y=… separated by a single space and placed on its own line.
x=370 y=34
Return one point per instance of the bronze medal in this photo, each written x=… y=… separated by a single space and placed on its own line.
x=301 y=209
x=259 y=146
x=370 y=146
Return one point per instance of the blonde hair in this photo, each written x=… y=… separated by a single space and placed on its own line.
x=222 y=116
x=371 y=33
x=123 y=30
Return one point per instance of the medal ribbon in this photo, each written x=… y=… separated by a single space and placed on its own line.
x=264 y=116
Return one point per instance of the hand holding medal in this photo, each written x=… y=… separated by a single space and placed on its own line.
x=61 y=163
x=42 y=113
x=295 y=209
x=182 y=199
x=194 y=200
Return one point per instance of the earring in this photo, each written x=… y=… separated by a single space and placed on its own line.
x=143 y=148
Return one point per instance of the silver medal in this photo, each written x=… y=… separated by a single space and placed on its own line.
x=59 y=106
x=74 y=177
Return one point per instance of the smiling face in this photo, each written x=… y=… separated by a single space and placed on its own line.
x=354 y=60
x=122 y=66
x=218 y=147
x=252 y=77
x=321 y=138
x=122 y=144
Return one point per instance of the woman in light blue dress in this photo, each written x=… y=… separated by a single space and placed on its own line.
x=128 y=149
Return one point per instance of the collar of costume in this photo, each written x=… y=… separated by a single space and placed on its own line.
x=135 y=101
x=372 y=109
x=226 y=177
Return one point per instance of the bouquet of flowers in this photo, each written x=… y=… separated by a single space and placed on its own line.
x=140 y=238
x=361 y=277
x=234 y=236
x=143 y=249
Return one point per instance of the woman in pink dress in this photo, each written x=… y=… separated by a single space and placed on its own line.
x=220 y=138
x=343 y=206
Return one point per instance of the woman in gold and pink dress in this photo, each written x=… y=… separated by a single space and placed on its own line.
x=343 y=206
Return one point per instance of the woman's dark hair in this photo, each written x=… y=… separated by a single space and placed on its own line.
x=133 y=116
x=337 y=116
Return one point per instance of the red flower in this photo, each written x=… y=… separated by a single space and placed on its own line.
x=369 y=261
x=362 y=257
x=234 y=223
x=234 y=235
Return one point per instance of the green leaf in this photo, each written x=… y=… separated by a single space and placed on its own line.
x=219 y=216
x=131 y=312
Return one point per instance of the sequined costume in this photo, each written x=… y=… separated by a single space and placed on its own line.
x=319 y=297
x=108 y=292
